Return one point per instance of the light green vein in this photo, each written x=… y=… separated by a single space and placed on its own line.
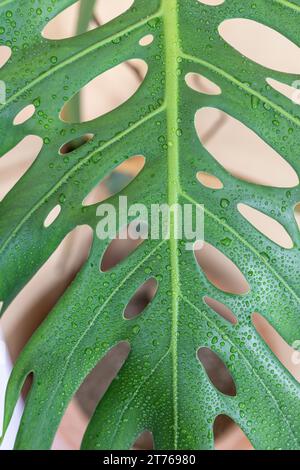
x=74 y=169
x=247 y=244
x=243 y=86
x=288 y=4
x=6 y=2
x=74 y=58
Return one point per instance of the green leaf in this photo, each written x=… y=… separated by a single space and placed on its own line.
x=162 y=387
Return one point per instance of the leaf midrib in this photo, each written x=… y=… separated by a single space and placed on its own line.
x=179 y=53
x=131 y=28
x=172 y=53
x=173 y=160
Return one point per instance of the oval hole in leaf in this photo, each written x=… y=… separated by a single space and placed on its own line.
x=229 y=436
x=266 y=225
x=110 y=9
x=28 y=382
x=255 y=161
x=5 y=54
x=146 y=40
x=144 y=441
x=15 y=163
x=288 y=91
x=103 y=94
x=52 y=216
x=284 y=353
x=199 y=83
x=221 y=309
x=37 y=298
x=217 y=371
x=261 y=44
x=209 y=181
x=120 y=248
x=220 y=270
x=63 y=25
x=212 y=3
x=74 y=144
x=141 y=299
x=24 y=115
x=116 y=181
x=101 y=376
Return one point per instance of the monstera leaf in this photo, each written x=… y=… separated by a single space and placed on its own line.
x=162 y=387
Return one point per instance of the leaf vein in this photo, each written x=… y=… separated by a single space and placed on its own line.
x=247 y=244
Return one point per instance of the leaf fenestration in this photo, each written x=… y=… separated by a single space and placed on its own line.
x=162 y=387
